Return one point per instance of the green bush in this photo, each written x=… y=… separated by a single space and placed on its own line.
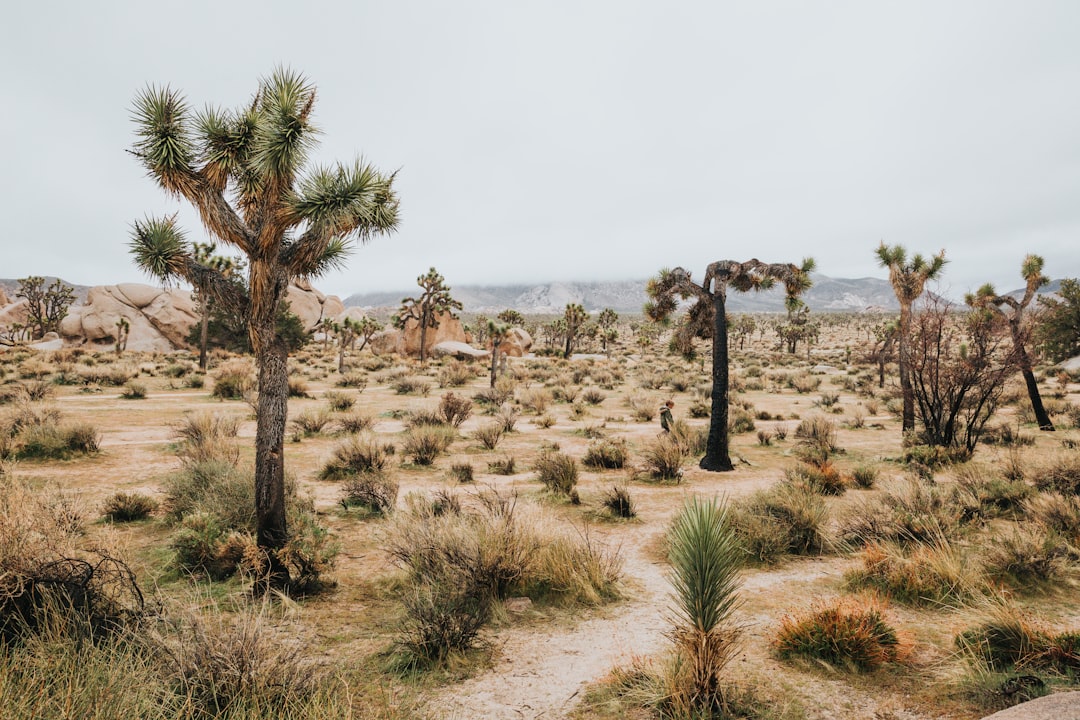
x=126 y=507
x=557 y=471
x=782 y=520
x=849 y=633
x=609 y=454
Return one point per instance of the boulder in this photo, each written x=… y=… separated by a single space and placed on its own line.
x=353 y=313
x=1058 y=706
x=310 y=305
x=15 y=312
x=385 y=342
x=50 y=342
x=517 y=343
x=449 y=330
x=159 y=320
x=460 y=350
x=4 y=300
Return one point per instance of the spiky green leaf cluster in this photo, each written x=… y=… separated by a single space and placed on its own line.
x=705 y=560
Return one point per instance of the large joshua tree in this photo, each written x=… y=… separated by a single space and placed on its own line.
x=908 y=278
x=245 y=172
x=425 y=309
x=987 y=297
x=707 y=317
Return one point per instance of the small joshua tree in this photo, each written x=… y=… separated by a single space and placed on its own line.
x=425 y=309
x=123 y=327
x=707 y=317
x=45 y=306
x=574 y=317
x=908 y=278
x=986 y=297
x=511 y=317
x=607 y=320
x=498 y=332
x=204 y=255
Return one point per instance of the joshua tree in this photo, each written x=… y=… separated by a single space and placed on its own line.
x=204 y=255
x=908 y=278
x=574 y=317
x=498 y=332
x=707 y=317
x=511 y=317
x=986 y=297
x=244 y=171
x=348 y=331
x=1059 y=326
x=606 y=320
x=45 y=306
x=326 y=326
x=425 y=309
x=123 y=327
x=886 y=337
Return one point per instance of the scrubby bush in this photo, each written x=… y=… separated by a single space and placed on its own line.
x=355 y=456
x=557 y=471
x=864 y=476
x=911 y=514
x=1026 y=558
x=1006 y=637
x=206 y=436
x=338 y=401
x=850 y=633
x=373 y=491
x=424 y=444
x=298 y=388
x=535 y=400
x=782 y=520
x=502 y=466
x=1059 y=474
x=462 y=472
x=355 y=422
x=134 y=391
x=662 y=459
x=455 y=374
x=233 y=379
x=619 y=503
x=412 y=386
x=311 y=422
x=489 y=434
x=126 y=507
x=609 y=454
x=937 y=573
x=352 y=379
x=454 y=409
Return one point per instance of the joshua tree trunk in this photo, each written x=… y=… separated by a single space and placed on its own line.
x=341 y=356
x=494 y=361
x=270 y=414
x=204 y=330
x=1026 y=369
x=906 y=391
x=716 y=450
x=423 y=335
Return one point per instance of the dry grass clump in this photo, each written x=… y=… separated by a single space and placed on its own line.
x=933 y=573
x=424 y=444
x=619 y=502
x=30 y=431
x=338 y=401
x=454 y=409
x=606 y=454
x=558 y=472
x=462 y=472
x=127 y=507
x=352 y=379
x=642 y=407
x=1060 y=474
x=207 y=436
x=455 y=374
x=662 y=460
x=298 y=388
x=818 y=432
x=109 y=375
x=993 y=495
x=503 y=466
x=535 y=400
x=355 y=422
x=1028 y=558
x=910 y=514
x=1005 y=637
x=376 y=492
x=356 y=456
x=850 y=633
x=691 y=440
x=411 y=386
x=1058 y=514
x=489 y=434
x=311 y=422
x=785 y=519
x=459 y=563
x=233 y=379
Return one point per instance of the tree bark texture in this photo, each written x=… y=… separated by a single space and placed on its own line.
x=716 y=457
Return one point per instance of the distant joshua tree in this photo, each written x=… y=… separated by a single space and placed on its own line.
x=46 y=307
x=511 y=317
x=574 y=316
x=908 y=279
x=227 y=267
x=607 y=320
x=498 y=332
x=434 y=300
x=244 y=171
x=348 y=331
x=986 y=297
x=707 y=317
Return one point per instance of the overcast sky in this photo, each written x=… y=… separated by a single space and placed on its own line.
x=581 y=140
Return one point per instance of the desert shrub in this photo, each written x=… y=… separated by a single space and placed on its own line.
x=195 y=381
x=619 y=503
x=1026 y=558
x=134 y=391
x=1006 y=435
x=911 y=514
x=740 y=421
x=700 y=409
x=1059 y=514
x=764 y=437
x=691 y=440
x=424 y=417
x=489 y=434
x=441 y=617
x=594 y=432
x=411 y=386
x=339 y=401
x=454 y=409
x=535 y=400
x=818 y=432
x=502 y=466
x=462 y=472
x=213 y=487
x=935 y=573
x=642 y=408
x=36 y=391
x=110 y=375
x=592 y=396
x=609 y=454
x=51 y=441
x=662 y=459
x=864 y=476
x=355 y=456
x=543 y=421
x=126 y=507
x=424 y=444
x=850 y=633
x=198 y=547
x=298 y=388
x=804 y=383
x=817 y=473
x=565 y=393
x=311 y=422
x=557 y=471
x=455 y=374
x=177 y=370
x=507 y=416
x=233 y=379
x=782 y=520
x=993 y=496
x=355 y=422
x=828 y=399
x=1006 y=637
x=206 y=436
x=352 y=379
x=1060 y=474
x=373 y=491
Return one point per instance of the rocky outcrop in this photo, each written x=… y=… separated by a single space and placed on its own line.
x=4 y=300
x=159 y=320
x=517 y=343
x=459 y=350
x=1058 y=706
x=13 y=313
x=310 y=305
x=449 y=330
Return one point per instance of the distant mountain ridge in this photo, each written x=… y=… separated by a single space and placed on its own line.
x=11 y=286
x=628 y=296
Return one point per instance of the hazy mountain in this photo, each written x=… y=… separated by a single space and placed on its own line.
x=628 y=296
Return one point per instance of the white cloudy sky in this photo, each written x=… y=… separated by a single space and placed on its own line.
x=581 y=140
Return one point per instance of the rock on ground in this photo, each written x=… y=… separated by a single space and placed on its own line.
x=1059 y=706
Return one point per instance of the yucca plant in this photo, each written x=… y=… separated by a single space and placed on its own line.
x=705 y=559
